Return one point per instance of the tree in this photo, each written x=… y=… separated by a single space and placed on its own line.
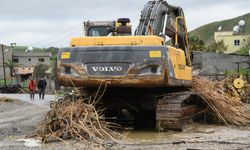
x=246 y=44
x=54 y=51
x=245 y=48
x=39 y=70
x=216 y=47
x=196 y=44
x=53 y=69
x=11 y=65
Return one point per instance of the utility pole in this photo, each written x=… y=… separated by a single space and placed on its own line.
x=4 y=75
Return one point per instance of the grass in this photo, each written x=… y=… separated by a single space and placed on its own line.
x=244 y=51
x=243 y=72
x=7 y=82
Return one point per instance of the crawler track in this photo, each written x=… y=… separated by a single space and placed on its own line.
x=174 y=110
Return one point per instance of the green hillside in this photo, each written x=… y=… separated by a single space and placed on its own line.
x=206 y=32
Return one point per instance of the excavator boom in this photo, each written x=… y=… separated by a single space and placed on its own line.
x=167 y=21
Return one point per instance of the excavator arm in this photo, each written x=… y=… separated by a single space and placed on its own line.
x=161 y=19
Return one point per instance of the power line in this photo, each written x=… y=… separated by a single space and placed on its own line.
x=62 y=39
x=60 y=34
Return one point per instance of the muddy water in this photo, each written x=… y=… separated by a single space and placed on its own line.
x=195 y=136
x=149 y=135
x=152 y=135
x=192 y=131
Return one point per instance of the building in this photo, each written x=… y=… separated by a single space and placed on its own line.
x=6 y=53
x=26 y=61
x=234 y=42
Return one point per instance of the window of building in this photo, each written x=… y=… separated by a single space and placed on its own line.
x=41 y=59
x=15 y=60
x=29 y=59
x=236 y=42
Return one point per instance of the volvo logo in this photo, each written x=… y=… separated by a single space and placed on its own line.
x=107 y=69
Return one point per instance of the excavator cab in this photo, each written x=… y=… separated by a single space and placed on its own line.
x=121 y=27
x=98 y=28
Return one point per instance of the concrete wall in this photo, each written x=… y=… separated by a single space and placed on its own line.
x=216 y=63
x=23 y=70
x=7 y=56
x=28 y=61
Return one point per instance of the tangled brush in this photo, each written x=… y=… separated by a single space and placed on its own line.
x=76 y=118
x=229 y=109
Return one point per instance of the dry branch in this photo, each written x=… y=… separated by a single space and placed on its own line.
x=74 y=118
x=229 y=109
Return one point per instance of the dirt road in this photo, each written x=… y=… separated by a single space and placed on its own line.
x=20 y=117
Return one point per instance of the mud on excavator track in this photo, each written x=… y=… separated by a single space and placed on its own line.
x=175 y=110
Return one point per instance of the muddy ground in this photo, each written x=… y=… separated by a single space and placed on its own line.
x=20 y=117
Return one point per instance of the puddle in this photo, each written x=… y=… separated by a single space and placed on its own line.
x=149 y=135
x=194 y=130
x=8 y=100
x=153 y=135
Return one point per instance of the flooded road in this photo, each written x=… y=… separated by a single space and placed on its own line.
x=20 y=118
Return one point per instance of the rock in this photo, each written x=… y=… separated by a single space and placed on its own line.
x=16 y=130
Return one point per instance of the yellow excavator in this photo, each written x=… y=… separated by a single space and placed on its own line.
x=149 y=75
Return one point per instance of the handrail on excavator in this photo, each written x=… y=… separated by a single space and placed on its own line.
x=186 y=36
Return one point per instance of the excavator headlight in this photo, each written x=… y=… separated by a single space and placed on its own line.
x=150 y=70
x=67 y=70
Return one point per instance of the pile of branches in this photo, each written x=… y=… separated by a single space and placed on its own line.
x=228 y=109
x=76 y=118
x=233 y=92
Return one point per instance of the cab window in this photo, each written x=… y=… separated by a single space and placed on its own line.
x=98 y=31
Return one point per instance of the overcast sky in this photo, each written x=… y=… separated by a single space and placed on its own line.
x=44 y=23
